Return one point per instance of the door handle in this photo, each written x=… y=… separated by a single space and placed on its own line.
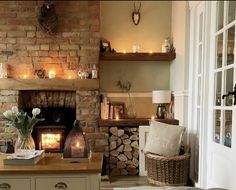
x=61 y=185
x=5 y=186
x=233 y=93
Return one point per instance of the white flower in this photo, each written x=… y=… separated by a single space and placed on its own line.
x=36 y=111
x=8 y=114
x=14 y=110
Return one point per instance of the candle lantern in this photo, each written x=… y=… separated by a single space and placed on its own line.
x=75 y=145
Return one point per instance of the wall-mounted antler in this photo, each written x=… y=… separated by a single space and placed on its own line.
x=136 y=14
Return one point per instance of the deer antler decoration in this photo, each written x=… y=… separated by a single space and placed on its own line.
x=136 y=14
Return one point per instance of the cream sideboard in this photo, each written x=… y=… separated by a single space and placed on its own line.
x=52 y=173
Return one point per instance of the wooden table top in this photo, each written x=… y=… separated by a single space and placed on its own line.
x=54 y=164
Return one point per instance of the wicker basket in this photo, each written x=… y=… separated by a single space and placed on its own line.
x=168 y=170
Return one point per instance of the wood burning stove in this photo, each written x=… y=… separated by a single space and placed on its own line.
x=50 y=138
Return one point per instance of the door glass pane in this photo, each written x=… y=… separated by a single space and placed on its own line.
x=229 y=77
x=231 y=8
x=219 y=50
x=199 y=92
x=198 y=119
x=200 y=27
x=200 y=59
x=216 y=136
x=230 y=46
x=220 y=13
x=218 y=77
x=228 y=128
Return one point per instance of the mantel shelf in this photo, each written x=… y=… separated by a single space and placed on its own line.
x=137 y=56
x=133 y=122
x=49 y=84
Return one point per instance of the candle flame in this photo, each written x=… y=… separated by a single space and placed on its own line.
x=24 y=76
x=117 y=117
x=51 y=74
x=77 y=145
x=153 y=117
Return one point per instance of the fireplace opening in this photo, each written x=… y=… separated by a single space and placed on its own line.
x=50 y=137
x=50 y=134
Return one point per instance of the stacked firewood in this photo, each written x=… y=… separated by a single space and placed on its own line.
x=124 y=151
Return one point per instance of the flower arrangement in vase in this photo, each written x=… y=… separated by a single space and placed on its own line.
x=24 y=124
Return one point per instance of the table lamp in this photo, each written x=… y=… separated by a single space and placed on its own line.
x=161 y=97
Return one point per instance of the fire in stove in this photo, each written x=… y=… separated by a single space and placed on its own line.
x=50 y=141
x=50 y=138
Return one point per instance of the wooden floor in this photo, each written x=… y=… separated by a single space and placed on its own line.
x=124 y=181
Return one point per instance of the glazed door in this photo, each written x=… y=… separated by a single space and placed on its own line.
x=222 y=116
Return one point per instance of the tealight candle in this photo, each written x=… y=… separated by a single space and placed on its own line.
x=69 y=77
x=24 y=76
x=117 y=117
x=51 y=74
x=124 y=51
x=77 y=150
x=150 y=52
x=153 y=117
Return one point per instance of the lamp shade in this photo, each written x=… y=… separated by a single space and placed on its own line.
x=161 y=96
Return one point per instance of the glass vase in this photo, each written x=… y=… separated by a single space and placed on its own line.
x=130 y=108
x=25 y=142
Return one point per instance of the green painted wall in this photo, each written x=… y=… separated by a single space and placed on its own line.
x=144 y=76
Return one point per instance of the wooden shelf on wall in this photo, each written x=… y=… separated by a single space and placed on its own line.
x=137 y=56
x=49 y=84
x=133 y=122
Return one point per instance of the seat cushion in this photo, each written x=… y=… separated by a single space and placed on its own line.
x=164 y=139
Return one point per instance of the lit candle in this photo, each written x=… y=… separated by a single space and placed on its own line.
x=51 y=74
x=117 y=117
x=150 y=52
x=24 y=76
x=153 y=117
x=69 y=77
x=124 y=51
x=76 y=150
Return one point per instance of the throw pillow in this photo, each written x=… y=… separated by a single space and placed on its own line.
x=164 y=139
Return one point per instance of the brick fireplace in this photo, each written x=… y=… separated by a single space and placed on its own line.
x=86 y=104
x=75 y=46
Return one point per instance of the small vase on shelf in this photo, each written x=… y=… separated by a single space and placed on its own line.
x=130 y=108
x=165 y=46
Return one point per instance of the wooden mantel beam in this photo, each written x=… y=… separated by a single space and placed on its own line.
x=49 y=84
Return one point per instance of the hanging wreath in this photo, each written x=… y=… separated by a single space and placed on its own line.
x=47 y=17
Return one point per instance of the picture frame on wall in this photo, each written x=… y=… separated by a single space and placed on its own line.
x=105 y=46
x=118 y=110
